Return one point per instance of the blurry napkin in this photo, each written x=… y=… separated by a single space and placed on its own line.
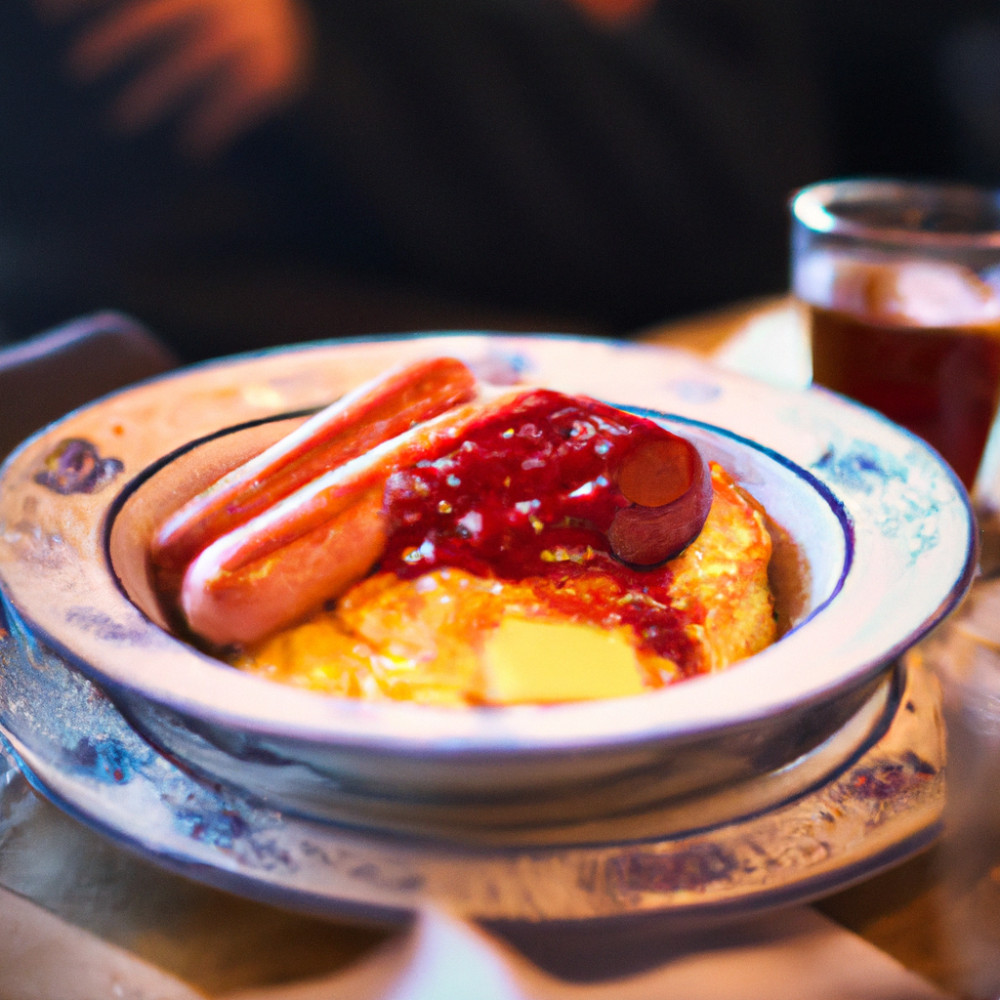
x=795 y=953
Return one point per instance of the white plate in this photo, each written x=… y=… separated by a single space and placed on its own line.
x=884 y=525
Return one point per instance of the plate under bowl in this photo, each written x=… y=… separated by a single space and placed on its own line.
x=875 y=535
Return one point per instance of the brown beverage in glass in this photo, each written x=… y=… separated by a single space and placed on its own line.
x=903 y=317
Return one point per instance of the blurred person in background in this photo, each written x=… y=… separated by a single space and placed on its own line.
x=245 y=172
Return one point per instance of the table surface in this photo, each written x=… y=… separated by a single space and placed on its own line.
x=217 y=944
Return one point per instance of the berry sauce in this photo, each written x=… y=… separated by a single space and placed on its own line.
x=530 y=492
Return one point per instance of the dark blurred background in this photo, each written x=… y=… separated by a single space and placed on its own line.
x=508 y=164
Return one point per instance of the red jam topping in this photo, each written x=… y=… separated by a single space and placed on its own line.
x=531 y=492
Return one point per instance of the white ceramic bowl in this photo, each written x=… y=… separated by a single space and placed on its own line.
x=876 y=545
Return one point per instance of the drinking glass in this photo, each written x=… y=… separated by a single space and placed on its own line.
x=901 y=284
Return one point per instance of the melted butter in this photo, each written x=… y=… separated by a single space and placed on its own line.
x=539 y=662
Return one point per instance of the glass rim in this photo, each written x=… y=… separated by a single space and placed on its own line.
x=810 y=207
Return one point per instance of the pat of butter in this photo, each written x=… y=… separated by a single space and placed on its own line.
x=538 y=662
